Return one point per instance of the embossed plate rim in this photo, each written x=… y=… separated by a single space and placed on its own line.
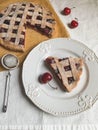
x=79 y=103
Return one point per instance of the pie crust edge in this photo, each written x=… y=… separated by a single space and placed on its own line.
x=11 y=46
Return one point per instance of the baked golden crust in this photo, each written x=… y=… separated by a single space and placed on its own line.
x=68 y=70
x=10 y=46
x=17 y=17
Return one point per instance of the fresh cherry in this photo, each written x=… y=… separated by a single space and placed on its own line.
x=73 y=24
x=45 y=77
x=66 y=11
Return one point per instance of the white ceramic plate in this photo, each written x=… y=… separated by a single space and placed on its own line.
x=56 y=101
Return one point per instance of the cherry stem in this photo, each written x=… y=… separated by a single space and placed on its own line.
x=76 y=19
x=52 y=86
x=73 y=7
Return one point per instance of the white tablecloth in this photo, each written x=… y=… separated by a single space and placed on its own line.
x=22 y=113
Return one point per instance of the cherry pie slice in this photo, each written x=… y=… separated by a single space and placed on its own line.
x=17 y=17
x=68 y=70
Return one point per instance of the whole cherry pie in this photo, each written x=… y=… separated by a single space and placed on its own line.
x=67 y=70
x=17 y=17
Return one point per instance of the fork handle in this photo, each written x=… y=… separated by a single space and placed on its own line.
x=6 y=93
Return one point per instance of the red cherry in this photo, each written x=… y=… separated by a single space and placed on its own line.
x=45 y=78
x=74 y=24
x=66 y=11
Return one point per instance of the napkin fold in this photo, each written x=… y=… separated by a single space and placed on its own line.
x=33 y=38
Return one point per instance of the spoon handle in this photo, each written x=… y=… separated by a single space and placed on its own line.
x=6 y=93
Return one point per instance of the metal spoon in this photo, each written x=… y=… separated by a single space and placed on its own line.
x=9 y=62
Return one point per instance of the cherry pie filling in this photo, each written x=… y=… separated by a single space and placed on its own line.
x=46 y=30
x=1 y=15
x=66 y=68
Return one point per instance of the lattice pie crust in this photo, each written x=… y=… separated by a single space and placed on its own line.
x=68 y=70
x=17 y=17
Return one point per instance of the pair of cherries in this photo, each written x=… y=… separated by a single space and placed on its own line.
x=73 y=23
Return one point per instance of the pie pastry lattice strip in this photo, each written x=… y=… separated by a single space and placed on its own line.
x=16 y=17
x=68 y=70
